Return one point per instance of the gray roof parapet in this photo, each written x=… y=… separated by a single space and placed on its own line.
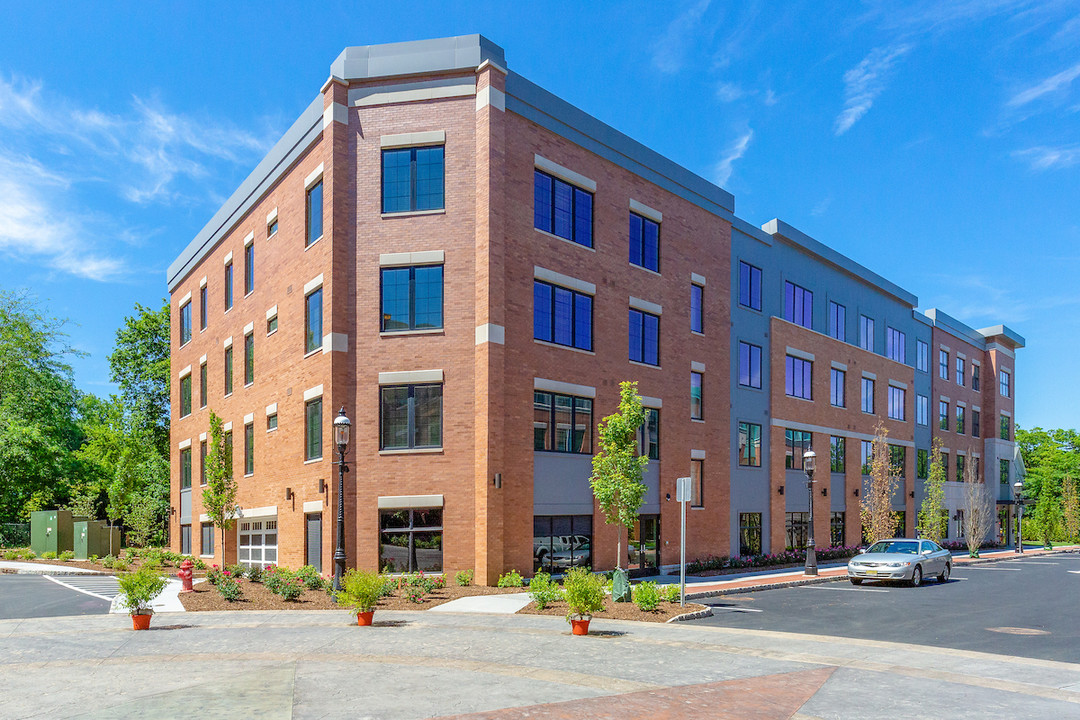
x=464 y=52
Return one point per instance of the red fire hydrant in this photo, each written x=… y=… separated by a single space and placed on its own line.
x=185 y=576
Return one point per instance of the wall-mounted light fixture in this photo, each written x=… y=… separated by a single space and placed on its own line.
x=497 y=481
x=288 y=493
x=825 y=491
x=855 y=492
x=911 y=494
x=780 y=490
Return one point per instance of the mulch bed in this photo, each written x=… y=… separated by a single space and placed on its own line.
x=620 y=611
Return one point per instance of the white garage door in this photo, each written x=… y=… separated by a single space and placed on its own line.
x=258 y=542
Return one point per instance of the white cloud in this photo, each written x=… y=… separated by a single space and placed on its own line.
x=734 y=151
x=729 y=92
x=864 y=82
x=670 y=49
x=1050 y=85
x=822 y=207
x=1048 y=158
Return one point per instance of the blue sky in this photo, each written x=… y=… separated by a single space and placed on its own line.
x=936 y=143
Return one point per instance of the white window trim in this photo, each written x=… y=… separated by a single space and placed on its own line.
x=413 y=139
x=565 y=281
x=313 y=392
x=424 y=257
x=408 y=377
x=564 y=173
x=645 y=211
x=315 y=176
x=314 y=284
x=646 y=306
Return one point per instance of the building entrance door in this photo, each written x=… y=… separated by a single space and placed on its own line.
x=644 y=545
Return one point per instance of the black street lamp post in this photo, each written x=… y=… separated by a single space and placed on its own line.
x=341 y=439
x=1018 y=499
x=809 y=460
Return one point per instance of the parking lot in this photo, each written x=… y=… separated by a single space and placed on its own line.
x=1025 y=607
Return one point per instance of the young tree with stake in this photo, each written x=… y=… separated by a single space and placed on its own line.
x=219 y=495
x=878 y=518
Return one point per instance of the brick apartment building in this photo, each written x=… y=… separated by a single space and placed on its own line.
x=463 y=261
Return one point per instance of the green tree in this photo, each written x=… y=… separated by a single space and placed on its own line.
x=139 y=365
x=219 y=495
x=617 y=467
x=932 y=509
x=1047 y=517
x=1070 y=502
x=878 y=518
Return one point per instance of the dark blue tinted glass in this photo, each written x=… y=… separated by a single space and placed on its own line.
x=542 y=201
x=429 y=297
x=635 y=335
x=651 y=340
x=429 y=178
x=314 y=213
x=582 y=218
x=635 y=240
x=650 y=246
x=395 y=299
x=564 y=313
x=696 y=320
x=564 y=209
x=396 y=180
x=542 y=311
x=582 y=321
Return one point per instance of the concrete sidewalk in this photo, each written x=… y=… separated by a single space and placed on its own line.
x=424 y=664
x=29 y=568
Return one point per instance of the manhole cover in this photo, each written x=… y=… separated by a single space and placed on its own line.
x=1018 y=631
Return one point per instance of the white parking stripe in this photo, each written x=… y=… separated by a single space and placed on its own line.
x=844 y=589
x=735 y=609
x=76 y=589
x=1031 y=562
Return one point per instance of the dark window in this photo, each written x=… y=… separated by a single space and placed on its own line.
x=228 y=370
x=185 y=323
x=1003 y=471
x=796 y=443
x=562 y=423
x=749 y=534
x=413 y=179
x=271 y=325
x=411 y=540
x=837 y=454
x=697 y=483
x=271 y=422
x=838 y=321
x=922 y=464
x=975 y=423
x=649 y=435
x=749 y=365
x=185 y=539
x=313 y=321
x=796 y=525
x=895 y=345
x=228 y=287
x=314 y=213
x=897 y=401
x=561 y=542
x=749 y=286
x=867 y=457
x=185 y=396
x=697 y=400
x=562 y=316
x=411 y=416
x=202 y=307
x=960 y=371
x=249 y=359
x=866 y=333
x=202 y=462
x=249 y=268
x=836 y=387
x=249 y=449
x=798 y=305
x=799 y=372
x=943 y=364
x=562 y=209
x=644 y=337
x=207 y=546
x=185 y=468
x=922 y=356
x=750 y=444
x=974 y=377
x=960 y=460
x=1004 y=383
x=644 y=243
x=697 y=319
x=836 y=529
x=271 y=228
x=943 y=415
x=898 y=460
x=867 y=395
x=228 y=452
x=960 y=412
x=1006 y=423
x=412 y=298
x=203 y=383
x=313 y=429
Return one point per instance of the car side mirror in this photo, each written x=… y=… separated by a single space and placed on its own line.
x=927 y=552
x=862 y=551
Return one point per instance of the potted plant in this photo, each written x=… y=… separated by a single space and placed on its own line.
x=584 y=596
x=137 y=591
x=360 y=592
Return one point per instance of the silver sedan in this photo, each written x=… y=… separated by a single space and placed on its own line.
x=903 y=560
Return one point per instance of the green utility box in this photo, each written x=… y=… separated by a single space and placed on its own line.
x=51 y=531
x=92 y=538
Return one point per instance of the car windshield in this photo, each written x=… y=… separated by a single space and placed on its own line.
x=904 y=548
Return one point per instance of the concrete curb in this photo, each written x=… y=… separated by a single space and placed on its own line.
x=48 y=571
x=707 y=612
x=819 y=580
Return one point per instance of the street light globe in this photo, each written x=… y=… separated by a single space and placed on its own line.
x=809 y=459
x=341 y=428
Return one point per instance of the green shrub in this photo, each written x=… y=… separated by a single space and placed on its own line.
x=670 y=592
x=463 y=577
x=11 y=554
x=647 y=596
x=543 y=591
x=254 y=573
x=273 y=576
x=67 y=555
x=229 y=587
x=214 y=575
x=291 y=589
x=93 y=558
x=413 y=593
x=138 y=589
x=196 y=563
x=283 y=582
x=311 y=577
x=48 y=555
x=584 y=592
x=237 y=570
x=511 y=579
x=360 y=590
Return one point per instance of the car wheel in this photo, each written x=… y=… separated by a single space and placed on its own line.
x=944 y=576
x=855 y=581
x=916 y=576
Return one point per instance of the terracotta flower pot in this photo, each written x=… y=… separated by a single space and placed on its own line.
x=141 y=622
x=364 y=618
x=580 y=626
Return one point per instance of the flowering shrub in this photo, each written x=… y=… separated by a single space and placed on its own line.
x=229 y=586
x=281 y=581
x=961 y=545
x=511 y=579
x=787 y=557
x=425 y=583
x=310 y=577
x=413 y=593
x=464 y=578
x=213 y=575
x=254 y=573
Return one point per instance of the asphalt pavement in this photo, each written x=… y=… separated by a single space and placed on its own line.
x=37 y=596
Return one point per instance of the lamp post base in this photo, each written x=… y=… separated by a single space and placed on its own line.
x=811 y=562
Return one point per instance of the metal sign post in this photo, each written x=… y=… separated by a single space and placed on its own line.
x=682 y=494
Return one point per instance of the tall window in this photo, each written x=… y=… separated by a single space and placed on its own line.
x=313 y=429
x=837 y=528
x=895 y=345
x=249 y=358
x=922 y=464
x=1003 y=471
x=697 y=405
x=1006 y=423
x=799 y=372
x=185 y=396
x=960 y=371
x=228 y=452
x=203 y=383
x=898 y=460
x=836 y=387
x=922 y=356
x=207 y=546
x=562 y=423
x=943 y=415
x=562 y=316
x=313 y=321
x=866 y=333
x=960 y=412
x=644 y=243
x=249 y=449
x=411 y=416
x=749 y=286
x=796 y=442
x=1004 y=383
x=945 y=465
x=960 y=459
x=228 y=370
x=749 y=444
x=562 y=209
x=837 y=454
x=897 y=400
x=314 y=213
x=649 y=435
x=413 y=179
x=185 y=323
x=749 y=365
x=974 y=376
x=837 y=321
x=697 y=483
x=943 y=364
x=185 y=468
x=249 y=268
x=922 y=410
x=228 y=287
x=867 y=460
x=644 y=334
x=749 y=534
x=867 y=395
x=202 y=462
x=697 y=319
x=975 y=423
x=796 y=525
x=412 y=298
x=202 y=307
x=798 y=305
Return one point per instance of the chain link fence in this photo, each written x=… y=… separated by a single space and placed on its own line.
x=13 y=535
